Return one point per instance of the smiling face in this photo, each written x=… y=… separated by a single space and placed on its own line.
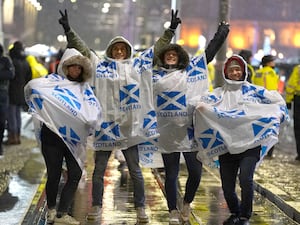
x=119 y=51
x=235 y=73
x=171 y=57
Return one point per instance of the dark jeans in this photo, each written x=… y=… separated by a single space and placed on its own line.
x=132 y=159
x=172 y=164
x=14 y=119
x=244 y=164
x=55 y=151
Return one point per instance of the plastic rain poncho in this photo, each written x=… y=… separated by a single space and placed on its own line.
x=68 y=108
x=236 y=117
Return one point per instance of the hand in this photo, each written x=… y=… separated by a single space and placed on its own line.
x=223 y=25
x=174 y=20
x=64 y=21
x=289 y=105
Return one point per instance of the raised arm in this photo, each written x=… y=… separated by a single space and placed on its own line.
x=216 y=43
x=167 y=36
x=74 y=41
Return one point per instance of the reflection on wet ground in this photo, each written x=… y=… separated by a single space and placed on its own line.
x=209 y=206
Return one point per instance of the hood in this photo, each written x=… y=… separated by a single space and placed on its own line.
x=118 y=39
x=70 y=57
x=17 y=51
x=183 y=57
x=242 y=63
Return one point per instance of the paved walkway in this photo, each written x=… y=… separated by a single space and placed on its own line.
x=276 y=200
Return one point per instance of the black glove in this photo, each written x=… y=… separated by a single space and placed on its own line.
x=223 y=26
x=64 y=21
x=289 y=105
x=174 y=20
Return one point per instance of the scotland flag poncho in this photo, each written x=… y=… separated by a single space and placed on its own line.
x=124 y=88
x=237 y=117
x=173 y=92
x=68 y=108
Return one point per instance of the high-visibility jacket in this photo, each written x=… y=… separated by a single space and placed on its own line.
x=266 y=77
x=293 y=85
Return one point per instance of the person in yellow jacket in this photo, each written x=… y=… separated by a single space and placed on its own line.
x=268 y=78
x=37 y=68
x=293 y=96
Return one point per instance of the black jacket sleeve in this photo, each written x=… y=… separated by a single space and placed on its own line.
x=216 y=43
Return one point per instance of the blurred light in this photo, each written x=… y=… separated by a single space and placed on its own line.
x=61 y=38
x=238 y=41
x=273 y=52
x=73 y=1
x=106 y=5
x=105 y=10
x=167 y=24
x=280 y=55
x=180 y=42
x=8 y=12
x=296 y=39
x=201 y=42
x=193 y=40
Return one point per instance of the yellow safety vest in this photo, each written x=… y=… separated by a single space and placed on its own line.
x=266 y=77
x=293 y=85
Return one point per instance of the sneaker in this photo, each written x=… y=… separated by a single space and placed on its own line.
x=95 y=213
x=66 y=220
x=186 y=211
x=232 y=220
x=141 y=215
x=51 y=214
x=174 y=217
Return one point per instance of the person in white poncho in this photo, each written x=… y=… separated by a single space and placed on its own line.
x=65 y=113
x=123 y=85
x=239 y=122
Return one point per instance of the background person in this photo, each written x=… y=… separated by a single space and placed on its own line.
x=268 y=78
x=293 y=96
x=6 y=74
x=16 y=93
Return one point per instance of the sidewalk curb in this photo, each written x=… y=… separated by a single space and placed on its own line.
x=279 y=202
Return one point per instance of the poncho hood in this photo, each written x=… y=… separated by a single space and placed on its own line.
x=183 y=57
x=73 y=57
x=119 y=39
x=242 y=63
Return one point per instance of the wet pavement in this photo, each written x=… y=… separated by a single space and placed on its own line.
x=22 y=170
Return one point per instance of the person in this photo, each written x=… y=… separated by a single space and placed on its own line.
x=177 y=80
x=6 y=74
x=37 y=68
x=247 y=56
x=16 y=94
x=238 y=123
x=293 y=96
x=123 y=85
x=268 y=78
x=66 y=112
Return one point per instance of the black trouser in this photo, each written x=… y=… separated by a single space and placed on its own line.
x=55 y=151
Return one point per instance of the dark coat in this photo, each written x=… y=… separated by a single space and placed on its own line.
x=22 y=76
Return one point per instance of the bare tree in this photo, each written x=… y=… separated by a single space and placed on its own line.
x=224 y=15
